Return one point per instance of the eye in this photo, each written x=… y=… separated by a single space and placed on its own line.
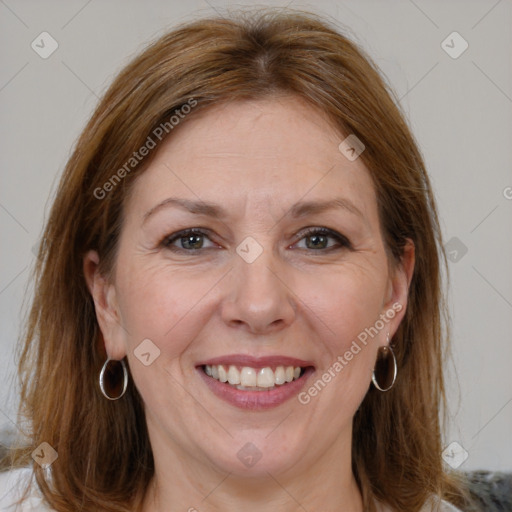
x=190 y=240
x=318 y=239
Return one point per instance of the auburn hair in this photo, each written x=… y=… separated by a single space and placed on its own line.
x=105 y=460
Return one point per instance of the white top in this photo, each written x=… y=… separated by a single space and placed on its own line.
x=12 y=487
x=13 y=484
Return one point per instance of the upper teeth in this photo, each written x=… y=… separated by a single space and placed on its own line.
x=251 y=377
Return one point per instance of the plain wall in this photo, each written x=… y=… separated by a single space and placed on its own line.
x=460 y=110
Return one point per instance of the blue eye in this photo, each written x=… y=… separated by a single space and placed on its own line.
x=319 y=238
x=192 y=240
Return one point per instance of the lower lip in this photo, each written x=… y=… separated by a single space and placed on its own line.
x=256 y=400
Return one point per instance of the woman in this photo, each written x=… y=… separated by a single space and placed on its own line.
x=238 y=298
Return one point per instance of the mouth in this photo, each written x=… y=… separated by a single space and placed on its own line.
x=251 y=383
x=247 y=378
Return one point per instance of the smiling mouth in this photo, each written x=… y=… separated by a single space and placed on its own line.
x=247 y=378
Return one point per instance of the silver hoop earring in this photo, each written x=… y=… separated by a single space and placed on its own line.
x=106 y=370
x=385 y=370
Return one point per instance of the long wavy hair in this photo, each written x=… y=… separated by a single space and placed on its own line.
x=105 y=460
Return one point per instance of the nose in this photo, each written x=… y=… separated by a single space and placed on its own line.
x=260 y=298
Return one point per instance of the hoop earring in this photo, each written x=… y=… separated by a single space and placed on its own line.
x=104 y=370
x=385 y=370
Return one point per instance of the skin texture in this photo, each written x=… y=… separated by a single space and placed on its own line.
x=255 y=159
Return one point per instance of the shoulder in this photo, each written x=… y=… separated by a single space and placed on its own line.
x=13 y=485
x=437 y=505
x=448 y=507
x=432 y=505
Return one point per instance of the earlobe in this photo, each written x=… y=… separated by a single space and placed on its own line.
x=90 y=267
x=409 y=260
x=403 y=273
x=105 y=304
x=101 y=290
x=400 y=282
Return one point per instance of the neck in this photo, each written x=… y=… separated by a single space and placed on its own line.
x=229 y=494
x=183 y=483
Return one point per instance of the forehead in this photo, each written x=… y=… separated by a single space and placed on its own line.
x=273 y=152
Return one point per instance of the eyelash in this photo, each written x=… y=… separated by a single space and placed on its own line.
x=308 y=232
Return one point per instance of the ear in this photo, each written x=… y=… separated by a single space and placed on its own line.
x=398 y=288
x=105 y=303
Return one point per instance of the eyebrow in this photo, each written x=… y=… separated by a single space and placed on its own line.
x=298 y=210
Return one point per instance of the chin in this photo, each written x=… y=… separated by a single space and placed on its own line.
x=260 y=453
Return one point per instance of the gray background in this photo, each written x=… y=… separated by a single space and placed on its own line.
x=459 y=109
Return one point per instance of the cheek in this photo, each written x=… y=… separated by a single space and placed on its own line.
x=160 y=303
x=343 y=303
x=170 y=305
x=163 y=305
x=343 y=315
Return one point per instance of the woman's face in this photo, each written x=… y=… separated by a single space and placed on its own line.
x=252 y=290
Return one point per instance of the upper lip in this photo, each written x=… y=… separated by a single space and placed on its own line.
x=256 y=362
